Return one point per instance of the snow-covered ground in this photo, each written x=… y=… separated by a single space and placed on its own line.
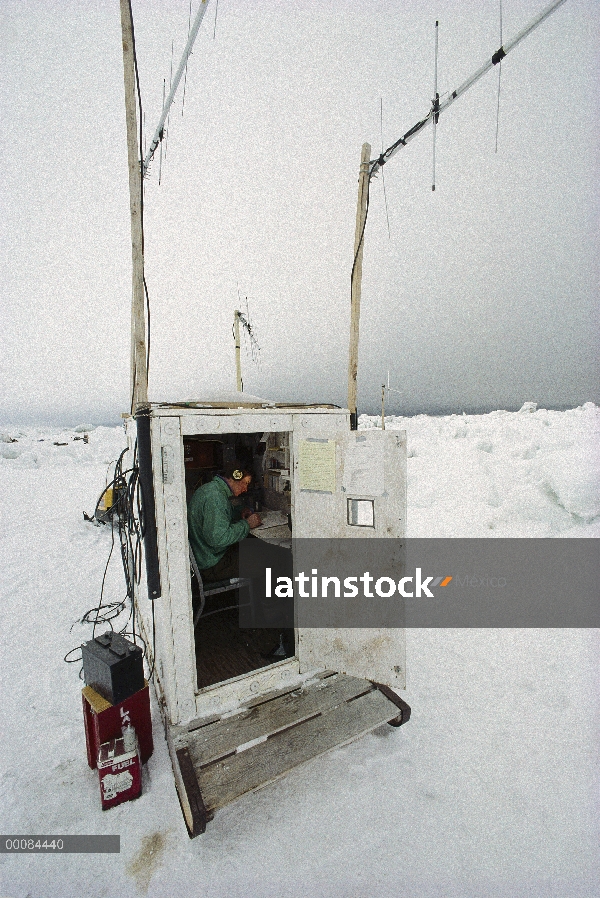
x=490 y=790
x=528 y=473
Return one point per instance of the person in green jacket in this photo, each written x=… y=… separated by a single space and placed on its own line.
x=216 y=525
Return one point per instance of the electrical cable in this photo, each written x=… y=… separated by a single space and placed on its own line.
x=362 y=233
x=147 y=326
x=126 y=523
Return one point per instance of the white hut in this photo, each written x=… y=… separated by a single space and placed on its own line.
x=235 y=719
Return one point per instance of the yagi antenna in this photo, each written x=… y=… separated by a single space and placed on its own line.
x=439 y=107
x=370 y=167
x=244 y=320
x=160 y=128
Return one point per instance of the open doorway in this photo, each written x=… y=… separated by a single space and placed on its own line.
x=223 y=649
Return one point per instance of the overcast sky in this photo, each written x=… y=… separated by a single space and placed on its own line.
x=484 y=296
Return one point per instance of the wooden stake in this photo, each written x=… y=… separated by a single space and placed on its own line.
x=139 y=371
x=238 y=361
x=361 y=211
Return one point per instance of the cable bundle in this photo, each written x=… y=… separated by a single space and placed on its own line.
x=125 y=516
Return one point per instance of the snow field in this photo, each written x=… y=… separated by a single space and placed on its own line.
x=512 y=474
x=490 y=790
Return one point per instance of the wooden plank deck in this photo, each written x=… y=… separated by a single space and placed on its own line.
x=228 y=779
x=226 y=736
x=238 y=754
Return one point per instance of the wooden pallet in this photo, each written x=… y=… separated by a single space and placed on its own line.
x=217 y=761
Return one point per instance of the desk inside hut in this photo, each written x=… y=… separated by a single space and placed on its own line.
x=274 y=529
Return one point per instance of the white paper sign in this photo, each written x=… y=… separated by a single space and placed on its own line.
x=363 y=467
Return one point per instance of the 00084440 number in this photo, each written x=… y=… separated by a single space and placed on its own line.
x=63 y=844
x=38 y=843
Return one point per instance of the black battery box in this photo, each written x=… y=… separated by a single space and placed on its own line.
x=113 y=666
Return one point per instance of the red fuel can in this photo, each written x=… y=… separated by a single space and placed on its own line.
x=104 y=721
x=120 y=769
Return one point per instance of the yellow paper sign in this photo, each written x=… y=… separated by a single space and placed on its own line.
x=317 y=465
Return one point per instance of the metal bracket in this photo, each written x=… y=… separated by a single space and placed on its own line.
x=404 y=715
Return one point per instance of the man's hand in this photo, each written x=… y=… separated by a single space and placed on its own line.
x=254 y=519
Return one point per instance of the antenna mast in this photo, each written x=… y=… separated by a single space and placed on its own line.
x=361 y=220
x=139 y=369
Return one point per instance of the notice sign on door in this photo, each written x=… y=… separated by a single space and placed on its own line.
x=317 y=465
x=364 y=465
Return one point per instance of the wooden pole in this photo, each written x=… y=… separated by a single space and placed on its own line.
x=361 y=212
x=139 y=370
x=238 y=361
x=383 y=406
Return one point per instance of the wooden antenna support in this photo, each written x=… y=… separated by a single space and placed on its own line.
x=361 y=212
x=139 y=370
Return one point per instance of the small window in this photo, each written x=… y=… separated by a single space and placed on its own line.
x=361 y=512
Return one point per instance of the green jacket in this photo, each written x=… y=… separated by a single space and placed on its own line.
x=214 y=523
